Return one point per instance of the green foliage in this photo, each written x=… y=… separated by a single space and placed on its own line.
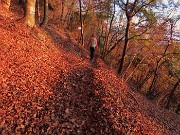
x=149 y=15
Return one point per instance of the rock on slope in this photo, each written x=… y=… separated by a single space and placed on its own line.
x=49 y=87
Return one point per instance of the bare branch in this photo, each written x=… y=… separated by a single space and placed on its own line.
x=147 y=28
x=143 y=5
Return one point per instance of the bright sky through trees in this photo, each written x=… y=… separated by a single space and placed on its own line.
x=176 y=12
x=169 y=12
x=166 y=1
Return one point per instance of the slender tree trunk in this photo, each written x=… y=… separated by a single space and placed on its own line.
x=151 y=88
x=170 y=97
x=126 y=42
x=23 y=5
x=38 y=11
x=45 y=18
x=105 y=51
x=158 y=64
x=62 y=12
x=30 y=13
x=81 y=20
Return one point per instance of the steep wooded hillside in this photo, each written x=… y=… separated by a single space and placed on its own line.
x=49 y=86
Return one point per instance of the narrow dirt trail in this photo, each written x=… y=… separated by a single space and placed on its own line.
x=84 y=111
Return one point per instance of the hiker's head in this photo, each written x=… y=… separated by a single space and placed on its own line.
x=93 y=35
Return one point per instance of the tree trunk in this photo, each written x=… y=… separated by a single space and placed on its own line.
x=171 y=94
x=62 y=12
x=23 y=5
x=126 y=42
x=81 y=20
x=30 y=13
x=38 y=11
x=106 y=43
x=45 y=18
x=151 y=91
x=6 y=3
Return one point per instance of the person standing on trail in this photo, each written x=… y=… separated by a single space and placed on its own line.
x=92 y=44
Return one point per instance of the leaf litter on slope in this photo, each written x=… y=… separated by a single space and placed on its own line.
x=45 y=87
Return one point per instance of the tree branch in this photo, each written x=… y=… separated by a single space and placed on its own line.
x=143 y=5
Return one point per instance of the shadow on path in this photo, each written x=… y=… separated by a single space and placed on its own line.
x=80 y=109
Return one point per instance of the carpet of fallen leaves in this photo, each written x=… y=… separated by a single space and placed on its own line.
x=50 y=87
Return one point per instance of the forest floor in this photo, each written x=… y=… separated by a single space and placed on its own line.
x=49 y=86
